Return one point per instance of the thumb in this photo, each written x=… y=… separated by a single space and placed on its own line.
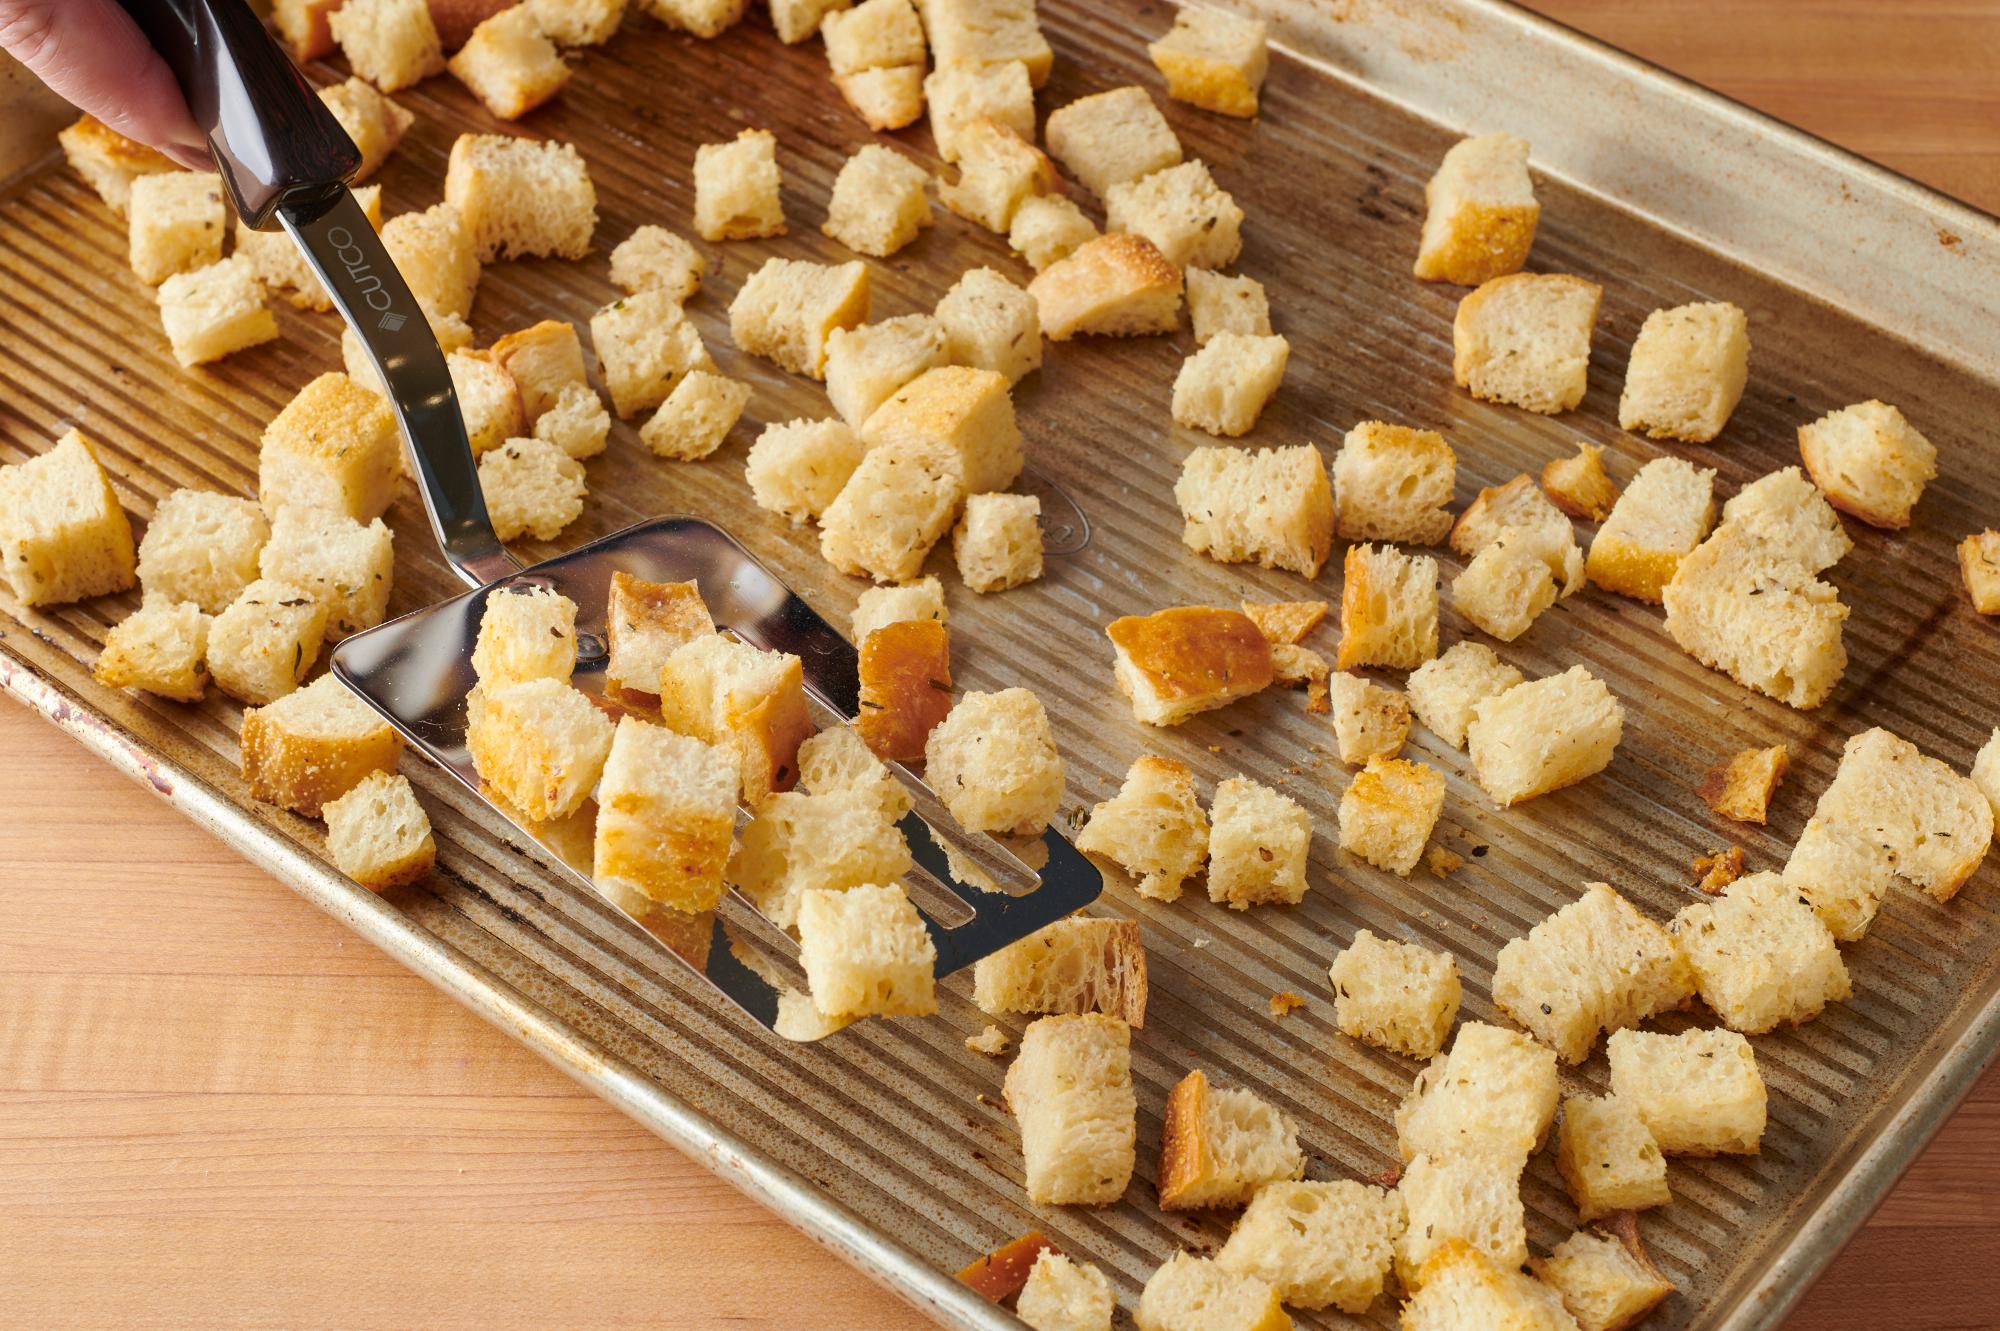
x=91 y=53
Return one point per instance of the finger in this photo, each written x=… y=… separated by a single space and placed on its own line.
x=93 y=55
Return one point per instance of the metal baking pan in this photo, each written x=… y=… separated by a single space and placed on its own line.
x=888 y=1142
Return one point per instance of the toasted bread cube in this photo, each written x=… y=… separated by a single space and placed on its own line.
x=1517 y=504
x=176 y=224
x=1545 y=735
x=1986 y=771
x=1687 y=372
x=262 y=645
x=542 y=359
x=991 y=324
x=993 y=762
x=1189 y=1293
x=1110 y=138
x=532 y=488
x=510 y=64
x=988 y=30
x=211 y=312
x=1388 y=608
x=878 y=607
x=878 y=203
x=1318 y=1245
x=1174 y=663
x=654 y=258
x=1219 y=304
x=1223 y=387
x=997 y=170
x=1257 y=845
x=281 y=265
x=378 y=835
x=905 y=687
x=1663 y=515
x=1217 y=1147
x=1188 y=217
x=1607 y=1283
x=578 y=424
x=799 y=467
x=109 y=162
x=644 y=623
x=645 y=346
x=521 y=197
x=488 y=400
x=666 y=809
x=1215 y=60
x=796 y=21
x=998 y=542
x=1062 y=1295
x=345 y=566
x=1285 y=622
x=743 y=700
x=578 y=22
x=1153 y=828
x=1495 y=1093
x=63 y=536
x=530 y=633
x=802 y=843
x=866 y=365
x=1579 y=485
x=1470 y=1196
x=1073 y=965
x=789 y=308
x=1699 y=1092
x=161 y=647
x=888 y=98
x=736 y=188
x=1979 y=565
x=960 y=91
x=437 y=253
x=960 y=412
x=1396 y=995
x=310 y=747
x=696 y=417
x=1394 y=483
x=1518 y=575
x=1446 y=692
x=1271 y=506
x=1869 y=461
x=1595 y=965
x=1760 y=955
x=1114 y=286
x=703 y=18
x=893 y=509
x=1463 y=1289
x=874 y=34
x=391 y=43
x=334 y=446
x=1070 y=1088
x=1388 y=811
x=1741 y=787
x=375 y=123
x=1524 y=339
x=1608 y=1158
x=1481 y=214
x=1048 y=228
x=541 y=746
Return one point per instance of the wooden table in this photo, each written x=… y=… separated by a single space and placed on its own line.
x=219 y=1109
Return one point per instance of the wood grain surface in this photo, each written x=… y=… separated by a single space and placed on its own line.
x=219 y=1109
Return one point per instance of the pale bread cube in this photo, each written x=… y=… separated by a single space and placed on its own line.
x=744 y=700
x=310 y=747
x=63 y=536
x=1271 y=506
x=874 y=34
x=1979 y=566
x=1189 y=1293
x=696 y=417
x=1699 y=1092
x=1048 y=228
x=798 y=468
x=993 y=762
x=878 y=607
x=334 y=446
x=1447 y=691
x=1073 y=965
x=645 y=346
x=654 y=258
x=521 y=197
x=1109 y=138
x=1544 y=735
x=990 y=324
x=1224 y=386
x=202 y=547
x=1595 y=965
x=887 y=98
x=347 y=567
x=438 y=255
x=963 y=413
x=1396 y=995
x=1518 y=505
x=997 y=170
x=1760 y=955
x=281 y=265
x=378 y=834
x=540 y=745
x=577 y=422
x=1061 y=1295
x=1388 y=608
x=532 y=488
x=801 y=843
x=905 y=688
x=109 y=162
x=1663 y=515
x=867 y=364
x=1986 y=771
x=1869 y=461
x=644 y=624
x=391 y=43
x=796 y=21
x=866 y=953
x=1285 y=622
x=736 y=188
x=789 y=308
x=1579 y=485
x=488 y=400
x=1480 y=212
x=161 y=648
x=1188 y=217
x=1258 y=840
x=571 y=23
x=1070 y=1089
x=1524 y=339
x=1687 y=372
x=1495 y=1094
x=1608 y=1158
x=998 y=541
x=1217 y=1146
x=962 y=90
x=1292 y=665
x=1740 y=787
x=988 y=30
x=666 y=809
x=1153 y=828
x=1466 y=1290
x=214 y=311
x=1318 y=1245
x=510 y=64
x=262 y=645
x=879 y=204
x=1369 y=720
x=1213 y=59
x=543 y=360
x=1470 y=1196
x=703 y=18
x=176 y=224
x=1176 y=662
x=1113 y=286
x=1606 y=1282
x=1518 y=575
x=897 y=504
x=1219 y=304
x=529 y=633
x=837 y=762
x=1388 y=810
x=1393 y=483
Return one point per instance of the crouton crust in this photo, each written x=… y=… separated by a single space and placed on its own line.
x=1001 y=1273
x=1740 y=787
x=1285 y=623
x=905 y=687
x=1199 y=655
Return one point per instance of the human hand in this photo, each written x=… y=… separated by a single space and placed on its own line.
x=93 y=55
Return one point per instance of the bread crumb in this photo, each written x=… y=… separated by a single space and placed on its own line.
x=1442 y=862
x=991 y=1041
x=1740 y=787
x=1714 y=872
x=1284 y=1004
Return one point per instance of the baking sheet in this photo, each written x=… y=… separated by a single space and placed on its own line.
x=888 y=1141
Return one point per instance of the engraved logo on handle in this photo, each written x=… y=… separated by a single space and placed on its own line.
x=366 y=284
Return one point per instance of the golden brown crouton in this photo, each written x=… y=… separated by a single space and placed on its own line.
x=1741 y=786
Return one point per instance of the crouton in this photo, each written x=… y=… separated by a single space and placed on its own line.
x=281 y=265
x=798 y=468
x=866 y=953
x=697 y=417
x=488 y=401
x=866 y=365
x=1223 y=387
x=1318 y=1245
x=1986 y=771
x=644 y=622
x=1518 y=575
x=345 y=566
x=265 y=641
x=1188 y=217
x=654 y=258
x=876 y=47
x=998 y=542
x=570 y=23
x=1543 y=736
x=988 y=30
x=540 y=745
x=1070 y=1089
x=521 y=197
x=905 y=687
x=990 y=324
x=997 y=170
x=1740 y=787
x=801 y=843
x=1463 y=1289
x=375 y=123
x=109 y=162
x=1388 y=810
x=1579 y=485
x=1073 y=965
x=176 y=224
x=1517 y=504
x=1285 y=622
x=530 y=633
x=879 y=204
x=391 y=43
x=215 y=311
x=1047 y=229
x=1219 y=304
x=897 y=504
x=1176 y=662
x=1595 y=965
x=1393 y=483
x=1869 y=461
x=1113 y=286
x=1608 y=1159
x=1217 y=1147
x=1153 y=828
x=531 y=488
x=746 y=701
x=1396 y=995
x=1469 y=1196
x=645 y=345
x=335 y=447
x=1663 y=515
x=837 y=762
x=510 y=64
x=965 y=414
x=63 y=536
x=1001 y=1273
x=890 y=97
x=542 y=359
x=666 y=809
x=437 y=253
x=993 y=762
x=310 y=747
x=1698 y=1092
x=378 y=835
x=1494 y=1093
x=1760 y=955
x=877 y=607
x=1213 y=59
x=1258 y=840
x=1110 y=138
x=1271 y=506
x=1189 y=1293
x=1979 y=565
x=736 y=188
x=1524 y=340
x=577 y=423
x=1481 y=214
x=788 y=309
x=1292 y=665
x=1606 y=1283
x=1061 y=1295
x=1388 y=608
x=161 y=647
x=1687 y=372
x=702 y=18
x=1446 y=692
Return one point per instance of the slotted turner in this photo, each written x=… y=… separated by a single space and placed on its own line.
x=283 y=158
